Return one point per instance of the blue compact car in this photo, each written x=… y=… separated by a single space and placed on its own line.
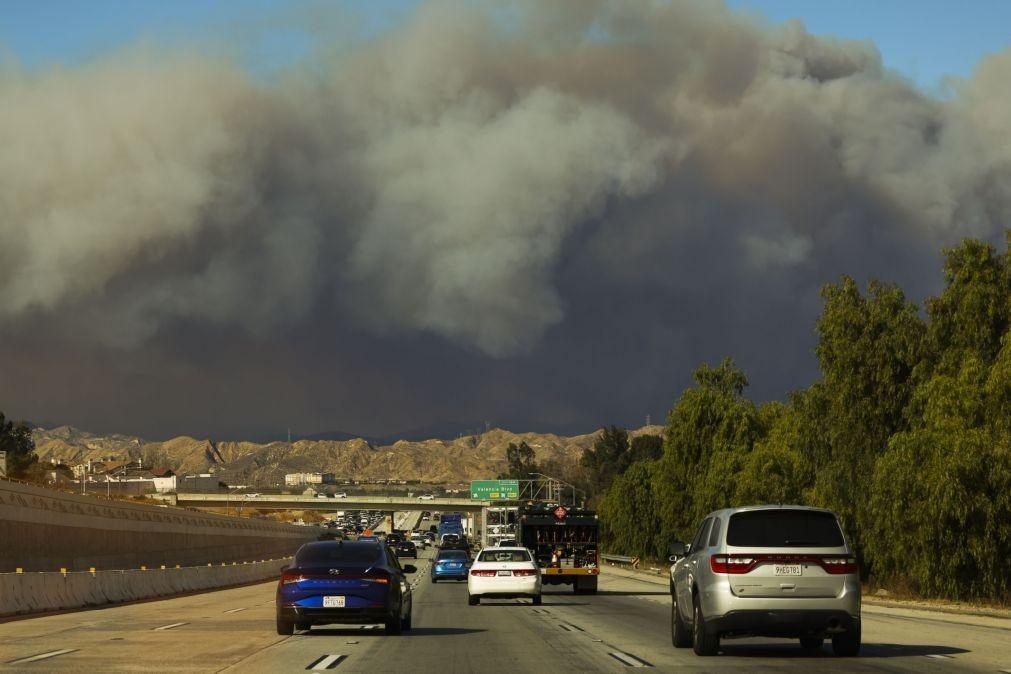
x=450 y=564
x=344 y=582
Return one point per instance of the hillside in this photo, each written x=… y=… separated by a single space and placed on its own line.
x=459 y=460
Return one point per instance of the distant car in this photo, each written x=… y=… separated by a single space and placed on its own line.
x=394 y=537
x=406 y=549
x=343 y=582
x=778 y=571
x=340 y=495
x=426 y=497
x=503 y=573
x=507 y=543
x=419 y=540
x=253 y=495
x=450 y=565
x=320 y=495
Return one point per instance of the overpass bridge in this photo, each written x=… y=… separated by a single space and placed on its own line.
x=301 y=502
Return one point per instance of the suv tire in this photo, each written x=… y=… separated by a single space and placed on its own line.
x=303 y=627
x=679 y=635
x=847 y=644
x=703 y=643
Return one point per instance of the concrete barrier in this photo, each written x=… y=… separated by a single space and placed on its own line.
x=33 y=592
x=45 y=530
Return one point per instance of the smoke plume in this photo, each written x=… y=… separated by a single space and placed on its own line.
x=490 y=176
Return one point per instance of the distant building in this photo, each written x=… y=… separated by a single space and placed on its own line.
x=299 y=479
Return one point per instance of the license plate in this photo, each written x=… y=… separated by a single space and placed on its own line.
x=505 y=573
x=788 y=570
x=333 y=602
x=454 y=565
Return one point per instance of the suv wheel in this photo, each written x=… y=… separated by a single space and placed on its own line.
x=285 y=628
x=703 y=643
x=679 y=634
x=811 y=643
x=847 y=644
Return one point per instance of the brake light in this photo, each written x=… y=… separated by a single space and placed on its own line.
x=524 y=572
x=738 y=564
x=839 y=565
x=482 y=572
x=289 y=577
x=731 y=563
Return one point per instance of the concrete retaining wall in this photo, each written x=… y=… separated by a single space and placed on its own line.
x=46 y=530
x=32 y=592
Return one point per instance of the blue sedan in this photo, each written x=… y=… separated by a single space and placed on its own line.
x=341 y=582
x=450 y=564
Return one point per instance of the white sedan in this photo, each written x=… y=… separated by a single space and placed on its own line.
x=426 y=497
x=503 y=572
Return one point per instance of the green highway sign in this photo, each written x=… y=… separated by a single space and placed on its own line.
x=495 y=490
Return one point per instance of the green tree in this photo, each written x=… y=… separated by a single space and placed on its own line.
x=644 y=448
x=710 y=428
x=628 y=513
x=607 y=458
x=520 y=462
x=868 y=349
x=16 y=440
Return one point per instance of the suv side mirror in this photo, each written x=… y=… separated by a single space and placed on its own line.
x=410 y=568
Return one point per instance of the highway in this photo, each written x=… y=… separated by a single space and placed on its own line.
x=625 y=626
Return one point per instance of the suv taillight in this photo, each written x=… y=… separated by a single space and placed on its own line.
x=731 y=563
x=839 y=565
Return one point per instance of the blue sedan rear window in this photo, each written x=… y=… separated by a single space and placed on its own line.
x=453 y=554
x=330 y=553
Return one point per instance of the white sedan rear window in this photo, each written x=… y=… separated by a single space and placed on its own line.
x=504 y=556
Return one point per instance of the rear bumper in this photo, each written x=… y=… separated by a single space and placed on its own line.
x=334 y=616
x=783 y=623
x=504 y=587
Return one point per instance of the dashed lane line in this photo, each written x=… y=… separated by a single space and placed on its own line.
x=236 y=610
x=326 y=662
x=629 y=660
x=938 y=656
x=168 y=627
x=41 y=656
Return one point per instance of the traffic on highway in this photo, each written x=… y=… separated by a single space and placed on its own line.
x=351 y=603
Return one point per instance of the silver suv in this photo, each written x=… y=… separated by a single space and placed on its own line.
x=771 y=571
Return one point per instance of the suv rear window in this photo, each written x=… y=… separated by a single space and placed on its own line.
x=330 y=553
x=784 y=529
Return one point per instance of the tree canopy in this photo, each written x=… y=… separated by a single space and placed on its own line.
x=906 y=436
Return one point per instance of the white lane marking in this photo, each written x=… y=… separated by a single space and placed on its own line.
x=168 y=627
x=41 y=656
x=326 y=662
x=629 y=660
x=236 y=610
x=940 y=657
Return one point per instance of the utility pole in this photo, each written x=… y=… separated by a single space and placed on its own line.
x=648 y=420
x=289 y=436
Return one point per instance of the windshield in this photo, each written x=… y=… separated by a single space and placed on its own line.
x=784 y=529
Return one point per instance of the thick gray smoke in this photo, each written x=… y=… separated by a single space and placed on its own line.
x=481 y=173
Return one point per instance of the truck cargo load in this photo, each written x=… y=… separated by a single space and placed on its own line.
x=565 y=543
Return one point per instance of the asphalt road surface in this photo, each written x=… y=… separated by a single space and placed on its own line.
x=623 y=627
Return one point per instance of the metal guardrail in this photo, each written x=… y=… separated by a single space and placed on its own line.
x=621 y=559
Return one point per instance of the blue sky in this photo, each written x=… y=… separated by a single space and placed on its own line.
x=923 y=39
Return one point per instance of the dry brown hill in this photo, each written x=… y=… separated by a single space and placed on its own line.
x=468 y=458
